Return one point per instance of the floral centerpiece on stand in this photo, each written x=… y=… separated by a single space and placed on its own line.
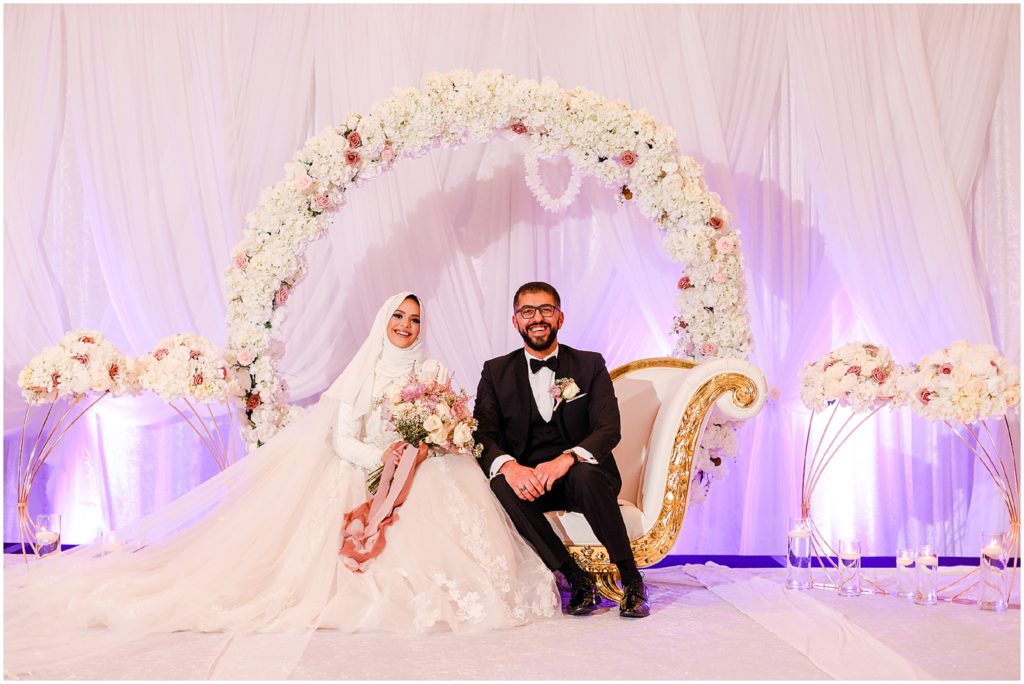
x=83 y=363
x=186 y=368
x=967 y=386
x=860 y=377
x=422 y=408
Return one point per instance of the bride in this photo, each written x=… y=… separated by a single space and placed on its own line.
x=256 y=548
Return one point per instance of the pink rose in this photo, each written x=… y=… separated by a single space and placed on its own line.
x=245 y=358
x=159 y=354
x=628 y=159
x=197 y=379
x=223 y=372
x=519 y=128
x=321 y=202
x=720 y=277
x=716 y=222
x=194 y=354
x=241 y=261
x=303 y=182
x=113 y=371
x=684 y=283
x=55 y=379
x=708 y=349
x=81 y=358
x=253 y=401
x=879 y=375
x=387 y=155
x=354 y=140
x=853 y=370
x=555 y=391
x=924 y=396
x=89 y=340
x=282 y=296
x=352 y=158
x=725 y=245
x=871 y=349
x=946 y=369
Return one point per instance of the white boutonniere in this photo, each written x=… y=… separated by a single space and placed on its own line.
x=564 y=389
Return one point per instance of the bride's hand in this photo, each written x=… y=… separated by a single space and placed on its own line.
x=394 y=452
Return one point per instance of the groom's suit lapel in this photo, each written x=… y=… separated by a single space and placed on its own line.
x=524 y=394
x=562 y=370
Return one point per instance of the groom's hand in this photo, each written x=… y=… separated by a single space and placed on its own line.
x=549 y=471
x=522 y=480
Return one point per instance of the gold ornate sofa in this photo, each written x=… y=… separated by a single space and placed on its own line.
x=665 y=404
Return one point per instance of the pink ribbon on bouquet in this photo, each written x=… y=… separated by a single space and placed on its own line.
x=362 y=533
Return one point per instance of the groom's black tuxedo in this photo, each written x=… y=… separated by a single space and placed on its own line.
x=504 y=404
x=510 y=423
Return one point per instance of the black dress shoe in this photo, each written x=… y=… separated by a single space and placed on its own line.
x=584 y=597
x=634 y=601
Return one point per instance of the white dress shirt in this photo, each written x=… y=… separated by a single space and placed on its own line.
x=541 y=383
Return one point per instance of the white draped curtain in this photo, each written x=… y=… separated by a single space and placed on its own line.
x=870 y=155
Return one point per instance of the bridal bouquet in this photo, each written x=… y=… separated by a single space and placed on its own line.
x=421 y=408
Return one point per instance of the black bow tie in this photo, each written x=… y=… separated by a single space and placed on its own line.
x=537 y=364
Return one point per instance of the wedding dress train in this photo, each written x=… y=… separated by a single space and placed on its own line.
x=255 y=549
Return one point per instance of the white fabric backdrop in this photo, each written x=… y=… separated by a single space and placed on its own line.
x=870 y=154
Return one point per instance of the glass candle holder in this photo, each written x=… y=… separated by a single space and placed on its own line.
x=926 y=567
x=905 y=585
x=848 y=579
x=995 y=553
x=47 y=533
x=798 y=554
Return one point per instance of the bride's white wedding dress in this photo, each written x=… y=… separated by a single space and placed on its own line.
x=255 y=549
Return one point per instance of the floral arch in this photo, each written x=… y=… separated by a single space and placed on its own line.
x=622 y=147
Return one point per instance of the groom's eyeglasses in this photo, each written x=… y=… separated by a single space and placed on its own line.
x=528 y=312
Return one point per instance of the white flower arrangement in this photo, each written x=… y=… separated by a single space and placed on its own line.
x=859 y=375
x=963 y=383
x=83 y=361
x=186 y=367
x=624 y=148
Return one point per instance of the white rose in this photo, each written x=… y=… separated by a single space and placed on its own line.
x=570 y=390
x=442 y=410
x=462 y=435
x=432 y=424
x=393 y=392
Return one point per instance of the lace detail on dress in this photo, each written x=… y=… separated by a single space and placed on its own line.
x=470 y=520
x=470 y=609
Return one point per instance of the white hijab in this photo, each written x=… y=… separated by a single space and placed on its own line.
x=378 y=356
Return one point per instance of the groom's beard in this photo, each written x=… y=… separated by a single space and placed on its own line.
x=544 y=342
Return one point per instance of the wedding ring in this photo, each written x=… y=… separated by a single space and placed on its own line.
x=522 y=488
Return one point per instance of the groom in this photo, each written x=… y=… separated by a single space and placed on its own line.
x=544 y=452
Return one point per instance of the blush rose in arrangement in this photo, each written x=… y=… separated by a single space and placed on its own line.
x=83 y=365
x=422 y=408
x=189 y=370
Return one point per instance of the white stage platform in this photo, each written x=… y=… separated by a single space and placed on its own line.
x=709 y=622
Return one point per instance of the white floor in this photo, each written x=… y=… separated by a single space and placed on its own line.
x=708 y=623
